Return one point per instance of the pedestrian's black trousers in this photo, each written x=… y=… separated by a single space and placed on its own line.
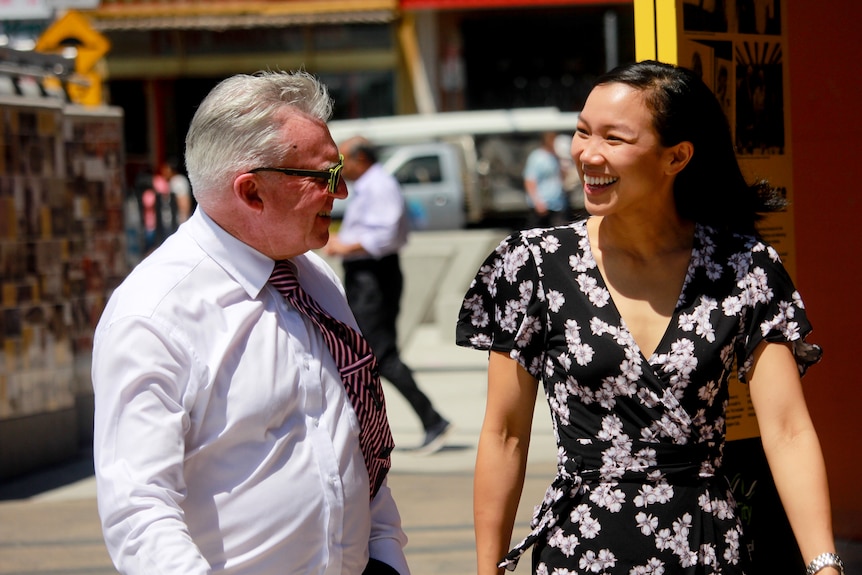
x=374 y=288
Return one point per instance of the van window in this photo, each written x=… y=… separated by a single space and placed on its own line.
x=420 y=170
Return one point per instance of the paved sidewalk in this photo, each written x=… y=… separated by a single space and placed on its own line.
x=57 y=530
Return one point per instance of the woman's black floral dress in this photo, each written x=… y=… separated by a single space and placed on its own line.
x=639 y=488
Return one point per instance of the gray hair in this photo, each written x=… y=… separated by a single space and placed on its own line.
x=237 y=126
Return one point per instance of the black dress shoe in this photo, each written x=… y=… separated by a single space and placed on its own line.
x=435 y=437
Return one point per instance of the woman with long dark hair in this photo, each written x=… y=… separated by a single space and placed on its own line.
x=632 y=320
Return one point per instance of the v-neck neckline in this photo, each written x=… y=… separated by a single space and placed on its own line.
x=660 y=345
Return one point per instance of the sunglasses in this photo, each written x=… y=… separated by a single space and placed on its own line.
x=332 y=175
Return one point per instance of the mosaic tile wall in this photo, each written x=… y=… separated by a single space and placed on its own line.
x=62 y=247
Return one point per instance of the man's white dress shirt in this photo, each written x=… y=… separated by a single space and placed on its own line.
x=224 y=439
x=376 y=216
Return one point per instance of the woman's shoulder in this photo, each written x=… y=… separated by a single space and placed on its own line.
x=727 y=246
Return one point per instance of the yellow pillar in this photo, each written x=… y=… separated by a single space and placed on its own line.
x=656 y=30
x=415 y=65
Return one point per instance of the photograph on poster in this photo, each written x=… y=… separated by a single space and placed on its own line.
x=700 y=62
x=723 y=82
x=713 y=61
x=733 y=16
x=759 y=98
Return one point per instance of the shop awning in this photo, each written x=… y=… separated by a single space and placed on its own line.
x=238 y=21
x=225 y=15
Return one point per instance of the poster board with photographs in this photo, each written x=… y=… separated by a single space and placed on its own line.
x=739 y=49
x=61 y=246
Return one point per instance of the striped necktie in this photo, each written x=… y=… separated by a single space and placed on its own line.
x=358 y=368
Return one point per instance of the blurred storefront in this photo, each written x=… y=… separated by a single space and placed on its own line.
x=378 y=57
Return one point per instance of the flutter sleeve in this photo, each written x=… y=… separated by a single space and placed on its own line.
x=503 y=309
x=777 y=312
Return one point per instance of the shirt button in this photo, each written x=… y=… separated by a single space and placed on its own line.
x=315 y=421
x=333 y=480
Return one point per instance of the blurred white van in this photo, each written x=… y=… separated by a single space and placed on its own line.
x=459 y=169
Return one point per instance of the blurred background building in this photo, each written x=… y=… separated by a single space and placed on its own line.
x=378 y=57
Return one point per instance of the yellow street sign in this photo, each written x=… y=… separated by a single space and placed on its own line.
x=73 y=29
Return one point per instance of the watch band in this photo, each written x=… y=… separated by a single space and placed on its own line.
x=825 y=560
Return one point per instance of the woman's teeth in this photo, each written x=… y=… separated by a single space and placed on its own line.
x=599 y=180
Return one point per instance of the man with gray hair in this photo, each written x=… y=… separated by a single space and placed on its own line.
x=239 y=425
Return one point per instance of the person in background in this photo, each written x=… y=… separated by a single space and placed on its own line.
x=173 y=199
x=633 y=319
x=180 y=189
x=572 y=184
x=149 y=209
x=543 y=180
x=227 y=438
x=166 y=206
x=374 y=229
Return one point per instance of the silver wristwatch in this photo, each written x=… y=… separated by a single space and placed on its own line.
x=825 y=560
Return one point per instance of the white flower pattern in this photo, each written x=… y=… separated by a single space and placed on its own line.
x=639 y=439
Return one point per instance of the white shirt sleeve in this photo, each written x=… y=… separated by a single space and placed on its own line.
x=387 y=538
x=140 y=420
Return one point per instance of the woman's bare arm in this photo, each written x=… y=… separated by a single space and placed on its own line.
x=502 y=458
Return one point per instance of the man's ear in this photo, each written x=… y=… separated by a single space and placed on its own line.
x=246 y=190
x=680 y=156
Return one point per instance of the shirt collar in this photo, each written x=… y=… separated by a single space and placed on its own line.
x=250 y=268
